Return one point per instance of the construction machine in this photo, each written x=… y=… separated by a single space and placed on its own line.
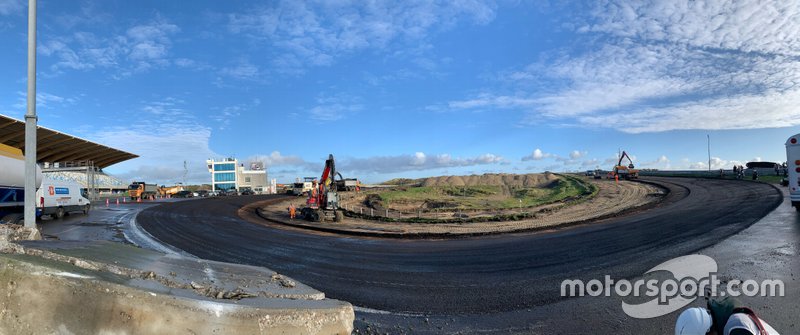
x=141 y=190
x=323 y=201
x=169 y=191
x=625 y=171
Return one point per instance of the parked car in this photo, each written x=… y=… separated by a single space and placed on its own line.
x=202 y=193
x=247 y=192
x=224 y=193
x=183 y=194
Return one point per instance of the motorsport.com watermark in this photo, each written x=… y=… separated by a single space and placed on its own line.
x=693 y=276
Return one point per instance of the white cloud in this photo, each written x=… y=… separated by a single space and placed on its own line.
x=9 y=7
x=419 y=161
x=770 y=27
x=594 y=162
x=243 y=70
x=419 y=158
x=536 y=155
x=488 y=159
x=716 y=164
x=316 y=34
x=44 y=101
x=142 y=47
x=277 y=159
x=164 y=139
x=224 y=116
x=661 y=162
x=575 y=154
x=335 y=107
x=655 y=66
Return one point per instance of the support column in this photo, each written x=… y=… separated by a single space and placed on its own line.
x=30 y=122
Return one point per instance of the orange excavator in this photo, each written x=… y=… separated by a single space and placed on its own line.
x=323 y=201
x=625 y=172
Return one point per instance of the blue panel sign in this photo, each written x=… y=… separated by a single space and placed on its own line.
x=11 y=195
x=62 y=190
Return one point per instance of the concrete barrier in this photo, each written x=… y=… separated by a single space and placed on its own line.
x=103 y=287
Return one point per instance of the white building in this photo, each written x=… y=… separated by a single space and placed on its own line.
x=228 y=174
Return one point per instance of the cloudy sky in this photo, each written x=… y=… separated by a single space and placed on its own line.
x=412 y=88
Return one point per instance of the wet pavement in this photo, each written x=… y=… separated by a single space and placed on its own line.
x=107 y=223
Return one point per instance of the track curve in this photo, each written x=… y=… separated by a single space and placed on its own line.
x=472 y=275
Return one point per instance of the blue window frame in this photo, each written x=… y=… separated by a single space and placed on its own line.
x=225 y=167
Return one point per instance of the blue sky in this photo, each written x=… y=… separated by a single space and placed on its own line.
x=411 y=89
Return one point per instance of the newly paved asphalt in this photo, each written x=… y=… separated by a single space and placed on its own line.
x=462 y=281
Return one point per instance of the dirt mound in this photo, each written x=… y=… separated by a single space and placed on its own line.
x=494 y=179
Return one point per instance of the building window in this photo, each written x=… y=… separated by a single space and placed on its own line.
x=246 y=179
x=227 y=176
x=225 y=167
x=224 y=186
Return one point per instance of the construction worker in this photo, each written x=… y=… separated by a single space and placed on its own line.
x=723 y=317
x=292 y=211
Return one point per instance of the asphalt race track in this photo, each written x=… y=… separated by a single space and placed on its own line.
x=470 y=276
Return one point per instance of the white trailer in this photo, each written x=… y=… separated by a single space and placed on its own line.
x=12 y=184
x=59 y=198
x=793 y=165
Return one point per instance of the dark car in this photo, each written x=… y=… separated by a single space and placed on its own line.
x=224 y=193
x=248 y=192
x=183 y=194
x=202 y=193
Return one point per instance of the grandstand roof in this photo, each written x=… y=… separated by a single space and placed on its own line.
x=54 y=146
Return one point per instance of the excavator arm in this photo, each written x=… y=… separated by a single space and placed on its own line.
x=329 y=172
x=623 y=156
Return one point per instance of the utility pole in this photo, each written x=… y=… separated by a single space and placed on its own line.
x=709 y=151
x=30 y=122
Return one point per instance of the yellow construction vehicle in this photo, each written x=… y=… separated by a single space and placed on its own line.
x=625 y=171
x=169 y=191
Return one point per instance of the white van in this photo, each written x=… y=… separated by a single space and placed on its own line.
x=58 y=198
x=793 y=165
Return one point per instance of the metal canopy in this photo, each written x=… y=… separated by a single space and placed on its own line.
x=53 y=146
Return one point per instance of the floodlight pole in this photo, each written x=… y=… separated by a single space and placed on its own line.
x=30 y=122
